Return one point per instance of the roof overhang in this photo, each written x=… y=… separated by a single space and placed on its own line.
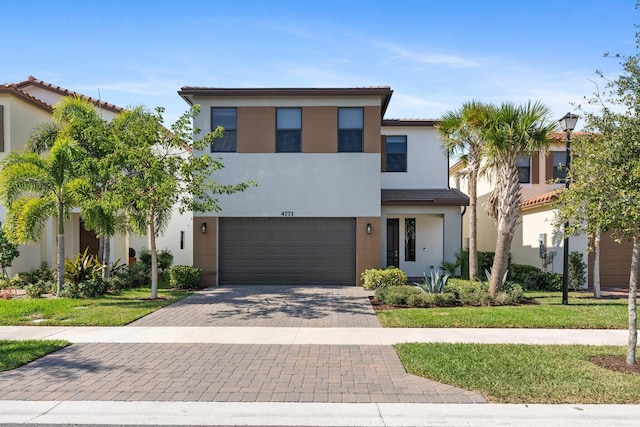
x=424 y=197
x=189 y=92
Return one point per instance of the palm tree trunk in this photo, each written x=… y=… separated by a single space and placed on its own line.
x=633 y=291
x=60 y=249
x=154 y=255
x=508 y=214
x=596 y=265
x=473 y=224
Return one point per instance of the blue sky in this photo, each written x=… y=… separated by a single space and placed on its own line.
x=435 y=55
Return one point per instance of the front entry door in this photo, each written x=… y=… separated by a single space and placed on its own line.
x=393 y=242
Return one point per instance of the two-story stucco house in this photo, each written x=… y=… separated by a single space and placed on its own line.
x=340 y=189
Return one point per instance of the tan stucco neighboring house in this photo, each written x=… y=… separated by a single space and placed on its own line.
x=535 y=241
x=23 y=107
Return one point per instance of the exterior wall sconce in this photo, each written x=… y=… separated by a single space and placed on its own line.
x=203 y=228
x=368 y=228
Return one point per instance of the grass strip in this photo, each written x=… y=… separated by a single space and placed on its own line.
x=511 y=373
x=109 y=310
x=14 y=354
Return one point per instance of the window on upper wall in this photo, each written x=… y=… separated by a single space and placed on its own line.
x=350 y=130
x=396 y=153
x=524 y=167
x=409 y=239
x=227 y=118
x=288 y=130
x=559 y=170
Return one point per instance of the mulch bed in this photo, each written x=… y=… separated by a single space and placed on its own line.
x=616 y=363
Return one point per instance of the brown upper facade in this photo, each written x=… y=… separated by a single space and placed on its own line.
x=293 y=120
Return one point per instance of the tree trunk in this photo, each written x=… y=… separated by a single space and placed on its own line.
x=154 y=255
x=101 y=250
x=473 y=224
x=633 y=291
x=596 y=265
x=60 y=249
x=507 y=216
x=106 y=256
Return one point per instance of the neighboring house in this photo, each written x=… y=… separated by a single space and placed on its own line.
x=340 y=189
x=24 y=106
x=535 y=242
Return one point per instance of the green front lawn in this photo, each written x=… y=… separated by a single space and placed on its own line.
x=524 y=373
x=14 y=354
x=108 y=310
x=583 y=312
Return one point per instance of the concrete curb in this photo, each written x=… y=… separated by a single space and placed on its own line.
x=312 y=414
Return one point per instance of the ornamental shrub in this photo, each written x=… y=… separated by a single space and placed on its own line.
x=378 y=278
x=577 y=271
x=397 y=295
x=184 y=277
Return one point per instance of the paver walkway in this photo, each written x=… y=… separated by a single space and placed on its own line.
x=219 y=372
x=270 y=306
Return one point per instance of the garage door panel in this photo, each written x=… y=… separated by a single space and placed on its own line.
x=287 y=250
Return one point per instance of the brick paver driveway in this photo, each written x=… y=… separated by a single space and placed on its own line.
x=236 y=372
x=272 y=306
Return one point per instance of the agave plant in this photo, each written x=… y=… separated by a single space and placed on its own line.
x=433 y=284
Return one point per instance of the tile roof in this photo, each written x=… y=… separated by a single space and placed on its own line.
x=32 y=81
x=541 y=199
x=13 y=89
x=425 y=197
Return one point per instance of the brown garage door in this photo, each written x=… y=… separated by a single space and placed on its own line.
x=287 y=251
x=615 y=262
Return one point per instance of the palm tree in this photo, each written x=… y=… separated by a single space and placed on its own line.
x=75 y=117
x=510 y=132
x=460 y=132
x=35 y=188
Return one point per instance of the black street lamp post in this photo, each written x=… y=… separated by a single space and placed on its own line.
x=567 y=124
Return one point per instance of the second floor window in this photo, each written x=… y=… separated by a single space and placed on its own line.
x=288 y=130
x=559 y=170
x=350 y=130
x=524 y=167
x=396 y=153
x=227 y=118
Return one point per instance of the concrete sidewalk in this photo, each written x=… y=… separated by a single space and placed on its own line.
x=313 y=335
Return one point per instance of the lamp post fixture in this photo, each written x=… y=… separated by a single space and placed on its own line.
x=567 y=124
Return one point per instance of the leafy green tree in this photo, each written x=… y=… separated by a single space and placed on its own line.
x=605 y=174
x=460 y=133
x=511 y=131
x=8 y=252
x=34 y=189
x=160 y=172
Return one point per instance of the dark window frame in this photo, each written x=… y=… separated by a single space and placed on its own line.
x=559 y=173
x=396 y=161
x=284 y=136
x=230 y=133
x=522 y=168
x=348 y=135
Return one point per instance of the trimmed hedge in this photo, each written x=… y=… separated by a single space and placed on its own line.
x=184 y=277
x=378 y=278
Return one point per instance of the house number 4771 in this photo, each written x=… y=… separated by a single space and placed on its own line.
x=287 y=213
